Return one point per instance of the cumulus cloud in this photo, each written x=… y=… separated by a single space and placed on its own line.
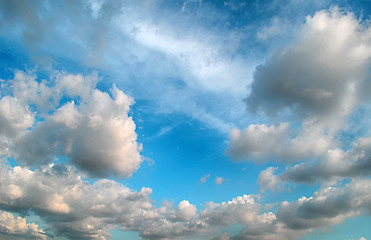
x=243 y=209
x=319 y=76
x=70 y=206
x=93 y=129
x=204 y=178
x=260 y=142
x=17 y=228
x=268 y=180
x=328 y=206
x=335 y=164
x=315 y=82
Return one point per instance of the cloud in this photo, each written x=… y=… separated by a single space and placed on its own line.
x=204 y=178
x=312 y=85
x=319 y=76
x=260 y=143
x=267 y=180
x=327 y=207
x=17 y=228
x=243 y=209
x=334 y=165
x=219 y=180
x=69 y=205
x=93 y=129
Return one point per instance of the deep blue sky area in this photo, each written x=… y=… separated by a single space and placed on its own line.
x=187 y=119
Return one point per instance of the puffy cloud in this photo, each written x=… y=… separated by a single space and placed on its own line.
x=17 y=228
x=315 y=82
x=335 y=164
x=327 y=207
x=243 y=209
x=260 y=142
x=268 y=180
x=93 y=129
x=15 y=119
x=321 y=75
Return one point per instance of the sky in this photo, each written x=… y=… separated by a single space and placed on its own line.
x=185 y=119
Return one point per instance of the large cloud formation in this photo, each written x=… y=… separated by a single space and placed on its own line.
x=17 y=228
x=90 y=127
x=314 y=83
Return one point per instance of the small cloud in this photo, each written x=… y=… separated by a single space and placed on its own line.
x=219 y=180
x=204 y=178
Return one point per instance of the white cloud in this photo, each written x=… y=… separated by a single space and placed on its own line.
x=334 y=165
x=327 y=207
x=321 y=75
x=94 y=130
x=71 y=206
x=268 y=180
x=219 y=180
x=243 y=209
x=204 y=178
x=314 y=84
x=259 y=142
x=17 y=228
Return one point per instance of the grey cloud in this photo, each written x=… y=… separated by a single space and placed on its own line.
x=93 y=130
x=268 y=180
x=260 y=142
x=335 y=164
x=243 y=209
x=327 y=207
x=321 y=75
x=70 y=206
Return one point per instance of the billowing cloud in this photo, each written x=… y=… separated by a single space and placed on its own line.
x=243 y=209
x=268 y=180
x=335 y=164
x=260 y=142
x=329 y=206
x=17 y=228
x=320 y=75
x=70 y=206
x=93 y=129
x=314 y=83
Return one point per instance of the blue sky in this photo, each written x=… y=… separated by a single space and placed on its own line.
x=188 y=119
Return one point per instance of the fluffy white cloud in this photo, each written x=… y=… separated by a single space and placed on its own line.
x=329 y=206
x=71 y=206
x=315 y=82
x=259 y=142
x=93 y=130
x=15 y=119
x=243 y=209
x=319 y=76
x=335 y=164
x=268 y=180
x=17 y=228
